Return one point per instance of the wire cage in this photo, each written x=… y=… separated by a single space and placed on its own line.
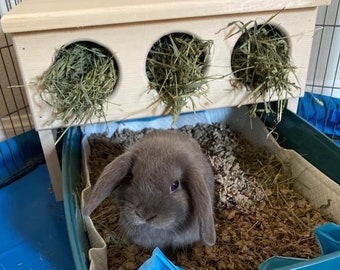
x=14 y=111
x=20 y=149
x=321 y=104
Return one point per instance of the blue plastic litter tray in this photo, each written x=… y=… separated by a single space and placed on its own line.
x=33 y=232
x=289 y=130
x=18 y=156
x=323 y=112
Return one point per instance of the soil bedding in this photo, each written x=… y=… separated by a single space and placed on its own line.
x=258 y=214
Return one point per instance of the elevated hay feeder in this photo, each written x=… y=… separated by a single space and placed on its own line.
x=129 y=30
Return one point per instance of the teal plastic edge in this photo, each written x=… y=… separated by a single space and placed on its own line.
x=326 y=262
x=72 y=186
x=297 y=134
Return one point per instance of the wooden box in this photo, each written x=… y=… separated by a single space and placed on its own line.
x=128 y=29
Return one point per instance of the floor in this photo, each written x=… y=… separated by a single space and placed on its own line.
x=33 y=233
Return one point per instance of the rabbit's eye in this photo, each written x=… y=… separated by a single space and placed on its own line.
x=174 y=186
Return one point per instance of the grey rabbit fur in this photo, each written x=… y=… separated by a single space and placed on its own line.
x=164 y=189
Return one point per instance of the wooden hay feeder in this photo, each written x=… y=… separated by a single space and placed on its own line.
x=128 y=30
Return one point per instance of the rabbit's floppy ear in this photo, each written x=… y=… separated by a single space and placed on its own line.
x=110 y=177
x=203 y=207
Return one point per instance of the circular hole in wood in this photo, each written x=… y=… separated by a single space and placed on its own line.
x=175 y=68
x=261 y=58
x=78 y=82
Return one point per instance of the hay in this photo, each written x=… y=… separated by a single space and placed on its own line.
x=78 y=82
x=261 y=62
x=175 y=68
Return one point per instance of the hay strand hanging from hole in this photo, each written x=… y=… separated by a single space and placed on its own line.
x=78 y=82
x=261 y=62
x=175 y=67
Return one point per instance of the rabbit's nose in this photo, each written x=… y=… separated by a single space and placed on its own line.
x=138 y=214
x=150 y=218
x=145 y=217
x=138 y=218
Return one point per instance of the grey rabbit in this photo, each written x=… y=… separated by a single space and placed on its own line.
x=164 y=188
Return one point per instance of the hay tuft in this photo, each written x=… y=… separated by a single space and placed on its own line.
x=175 y=67
x=261 y=62
x=78 y=82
